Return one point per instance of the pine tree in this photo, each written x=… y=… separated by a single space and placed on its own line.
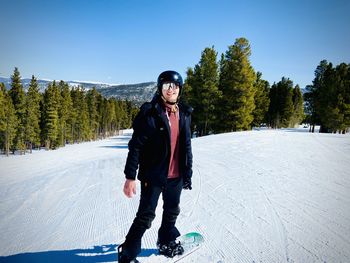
x=333 y=99
x=8 y=120
x=123 y=116
x=64 y=113
x=2 y=115
x=310 y=113
x=205 y=91
x=81 y=130
x=18 y=99
x=190 y=95
x=2 y=108
x=74 y=116
x=72 y=119
x=92 y=97
x=237 y=78
x=111 y=117
x=50 y=116
x=85 y=126
x=273 y=112
x=118 y=112
x=343 y=91
x=286 y=102
x=221 y=121
x=312 y=95
x=104 y=118
x=32 y=115
x=327 y=101
x=100 y=106
x=298 y=107
x=328 y=98
x=131 y=113
x=281 y=103
x=261 y=99
x=187 y=88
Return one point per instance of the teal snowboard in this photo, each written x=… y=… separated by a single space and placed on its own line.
x=190 y=242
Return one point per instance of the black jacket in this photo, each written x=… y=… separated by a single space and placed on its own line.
x=149 y=147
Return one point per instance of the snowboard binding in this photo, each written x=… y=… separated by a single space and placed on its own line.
x=170 y=249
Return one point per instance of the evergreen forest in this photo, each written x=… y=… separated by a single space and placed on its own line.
x=228 y=95
x=59 y=116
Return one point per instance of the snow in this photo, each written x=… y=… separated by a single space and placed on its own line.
x=258 y=196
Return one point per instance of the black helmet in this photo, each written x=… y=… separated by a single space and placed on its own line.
x=169 y=76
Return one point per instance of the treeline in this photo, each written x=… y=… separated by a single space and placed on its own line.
x=328 y=98
x=59 y=116
x=228 y=95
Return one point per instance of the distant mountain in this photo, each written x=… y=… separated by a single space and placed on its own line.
x=138 y=93
x=134 y=92
x=41 y=83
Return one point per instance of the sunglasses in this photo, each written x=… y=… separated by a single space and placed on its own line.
x=170 y=85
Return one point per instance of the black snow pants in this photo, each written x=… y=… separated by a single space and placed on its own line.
x=146 y=213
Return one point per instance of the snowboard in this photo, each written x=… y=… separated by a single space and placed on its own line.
x=190 y=242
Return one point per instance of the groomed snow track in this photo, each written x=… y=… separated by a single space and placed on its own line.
x=258 y=196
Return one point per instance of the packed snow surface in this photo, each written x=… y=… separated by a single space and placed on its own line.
x=258 y=196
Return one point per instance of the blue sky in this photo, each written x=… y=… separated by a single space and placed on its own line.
x=129 y=41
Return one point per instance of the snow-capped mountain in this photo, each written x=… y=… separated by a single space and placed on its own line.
x=137 y=93
x=140 y=92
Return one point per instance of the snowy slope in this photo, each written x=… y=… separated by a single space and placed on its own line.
x=258 y=196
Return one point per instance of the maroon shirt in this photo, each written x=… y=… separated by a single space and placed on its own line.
x=173 y=117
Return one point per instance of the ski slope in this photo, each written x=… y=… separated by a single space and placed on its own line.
x=258 y=196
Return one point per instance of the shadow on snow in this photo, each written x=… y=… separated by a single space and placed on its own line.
x=104 y=253
x=122 y=142
x=121 y=146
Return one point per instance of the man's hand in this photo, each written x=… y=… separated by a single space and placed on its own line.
x=129 y=188
x=187 y=184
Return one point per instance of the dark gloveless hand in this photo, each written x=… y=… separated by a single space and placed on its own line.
x=187 y=184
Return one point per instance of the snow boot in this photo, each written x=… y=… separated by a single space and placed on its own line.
x=170 y=249
x=124 y=258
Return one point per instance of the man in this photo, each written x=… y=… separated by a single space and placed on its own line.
x=160 y=148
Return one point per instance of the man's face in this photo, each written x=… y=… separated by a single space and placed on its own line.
x=170 y=91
